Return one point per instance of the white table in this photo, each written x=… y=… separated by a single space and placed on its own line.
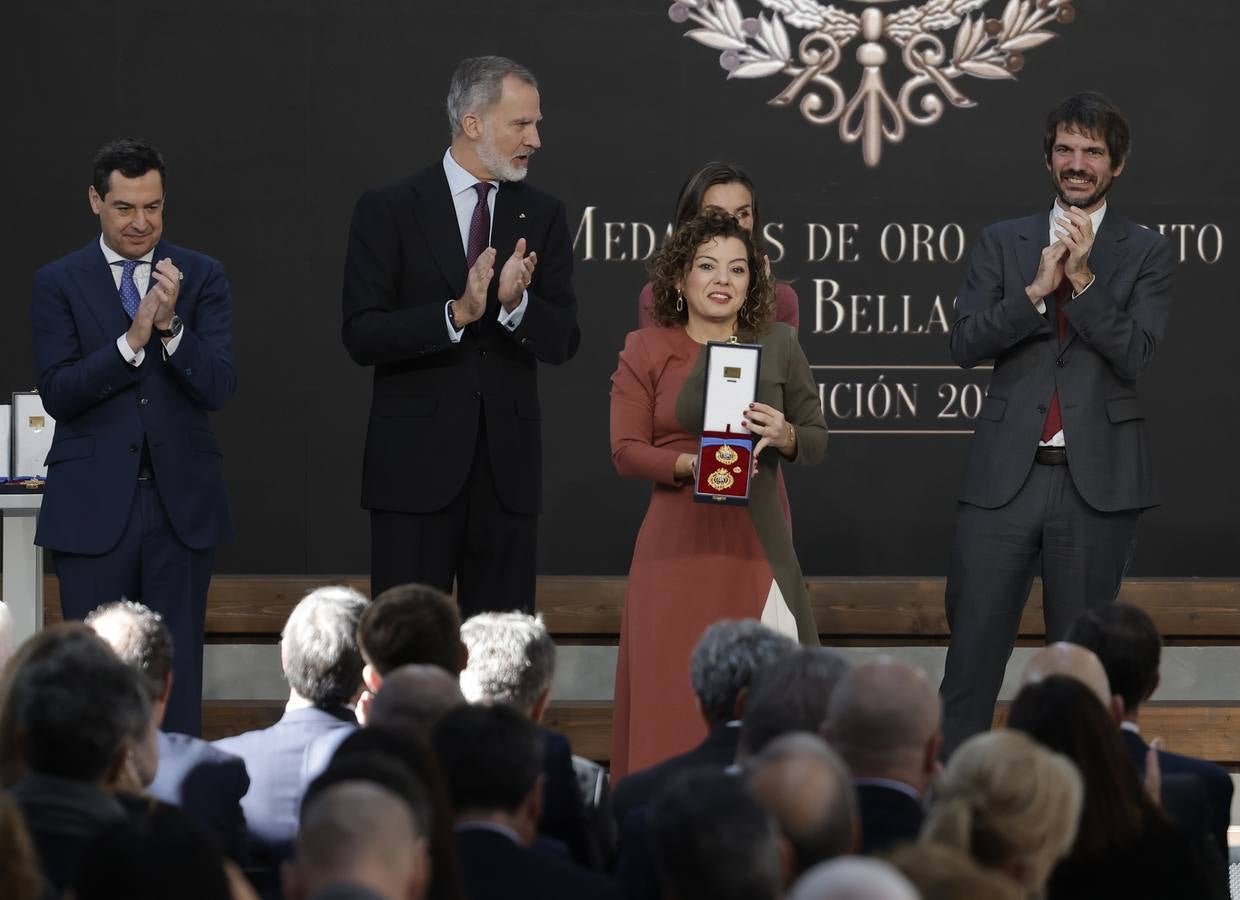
x=23 y=563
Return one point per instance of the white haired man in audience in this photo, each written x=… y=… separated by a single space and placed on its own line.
x=805 y=785
x=511 y=660
x=321 y=662
x=75 y=710
x=721 y=669
x=359 y=841
x=884 y=720
x=204 y=781
x=854 y=878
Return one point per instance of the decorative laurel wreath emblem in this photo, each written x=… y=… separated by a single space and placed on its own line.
x=760 y=47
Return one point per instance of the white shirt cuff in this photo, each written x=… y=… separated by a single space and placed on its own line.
x=171 y=347
x=1076 y=294
x=454 y=334
x=1040 y=306
x=512 y=320
x=127 y=354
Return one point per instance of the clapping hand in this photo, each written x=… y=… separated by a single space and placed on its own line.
x=516 y=275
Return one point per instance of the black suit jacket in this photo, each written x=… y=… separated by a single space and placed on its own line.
x=889 y=817
x=405 y=262
x=1214 y=779
x=563 y=813
x=494 y=867
x=207 y=784
x=717 y=751
x=1113 y=329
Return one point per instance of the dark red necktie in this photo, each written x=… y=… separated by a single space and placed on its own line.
x=1054 y=424
x=479 y=225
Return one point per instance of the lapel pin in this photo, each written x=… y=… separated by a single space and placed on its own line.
x=520 y=215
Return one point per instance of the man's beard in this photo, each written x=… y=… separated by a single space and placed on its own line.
x=500 y=166
x=1097 y=195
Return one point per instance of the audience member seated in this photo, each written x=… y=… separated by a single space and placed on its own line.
x=854 y=878
x=808 y=789
x=1124 y=847
x=492 y=759
x=157 y=852
x=1126 y=641
x=413 y=697
x=884 y=721
x=790 y=694
x=75 y=710
x=410 y=623
x=512 y=661
x=713 y=840
x=19 y=865
x=1009 y=803
x=205 y=782
x=1071 y=661
x=362 y=842
x=940 y=872
x=392 y=760
x=721 y=669
x=318 y=652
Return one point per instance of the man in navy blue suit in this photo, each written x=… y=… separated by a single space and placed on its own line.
x=1127 y=642
x=132 y=348
x=206 y=783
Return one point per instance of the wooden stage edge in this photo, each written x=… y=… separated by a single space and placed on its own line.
x=1207 y=732
x=886 y=610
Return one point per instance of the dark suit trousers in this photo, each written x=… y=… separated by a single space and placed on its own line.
x=488 y=550
x=995 y=554
x=150 y=564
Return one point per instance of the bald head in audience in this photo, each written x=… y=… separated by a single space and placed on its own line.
x=1076 y=662
x=884 y=720
x=808 y=789
x=358 y=834
x=853 y=878
x=414 y=695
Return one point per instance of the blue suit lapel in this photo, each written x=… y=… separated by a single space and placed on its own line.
x=93 y=277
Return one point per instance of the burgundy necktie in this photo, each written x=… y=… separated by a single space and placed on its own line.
x=1054 y=424
x=479 y=225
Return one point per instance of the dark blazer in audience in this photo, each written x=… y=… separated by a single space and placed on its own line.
x=63 y=818
x=717 y=751
x=207 y=784
x=889 y=817
x=563 y=812
x=1214 y=778
x=495 y=867
x=274 y=759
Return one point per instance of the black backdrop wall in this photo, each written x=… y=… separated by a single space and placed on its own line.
x=275 y=115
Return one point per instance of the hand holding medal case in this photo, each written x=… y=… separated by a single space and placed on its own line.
x=725 y=449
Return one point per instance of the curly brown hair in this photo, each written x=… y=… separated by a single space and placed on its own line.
x=674 y=258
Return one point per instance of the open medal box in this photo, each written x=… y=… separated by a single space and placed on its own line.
x=725 y=450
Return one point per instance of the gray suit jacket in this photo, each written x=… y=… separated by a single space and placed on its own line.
x=1112 y=332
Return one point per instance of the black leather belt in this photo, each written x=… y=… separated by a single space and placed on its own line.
x=1051 y=456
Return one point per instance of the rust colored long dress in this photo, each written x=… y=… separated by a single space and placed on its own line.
x=697 y=563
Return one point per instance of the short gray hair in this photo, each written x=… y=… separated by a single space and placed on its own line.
x=321 y=659
x=511 y=659
x=725 y=660
x=138 y=635
x=478 y=83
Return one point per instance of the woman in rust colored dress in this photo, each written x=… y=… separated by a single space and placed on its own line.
x=696 y=563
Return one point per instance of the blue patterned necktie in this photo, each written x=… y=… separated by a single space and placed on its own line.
x=129 y=290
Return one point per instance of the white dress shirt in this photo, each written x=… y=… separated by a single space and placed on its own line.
x=465 y=199
x=1056 y=232
x=142 y=281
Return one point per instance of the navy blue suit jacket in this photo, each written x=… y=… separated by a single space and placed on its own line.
x=1214 y=779
x=637 y=789
x=494 y=867
x=889 y=817
x=275 y=758
x=207 y=784
x=105 y=408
